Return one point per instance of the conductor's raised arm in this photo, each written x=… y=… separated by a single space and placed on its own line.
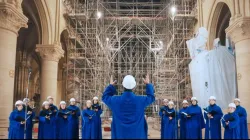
x=109 y=92
x=150 y=98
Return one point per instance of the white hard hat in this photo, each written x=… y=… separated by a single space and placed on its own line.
x=165 y=100
x=19 y=102
x=194 y=98
x=62 y=102
x=171 y=102
x=237 y=99
x=26 y=100
x=49 y=97
x=212 y=98
x=232 y=105
x=45 y=102
x=95 y=98
x=129 y=82
x=88 y=101
x=185 y=102
x=72 y=100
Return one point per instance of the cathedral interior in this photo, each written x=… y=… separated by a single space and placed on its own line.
x=71 y=48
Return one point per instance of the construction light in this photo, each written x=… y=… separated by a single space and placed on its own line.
x=99 y=14
x=173 y=10
x=161 y=43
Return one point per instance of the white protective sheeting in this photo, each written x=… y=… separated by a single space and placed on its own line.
x=213 y=73
x=222 y=74
x=199 y=77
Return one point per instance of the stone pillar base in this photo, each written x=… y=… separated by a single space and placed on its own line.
x=4 y=125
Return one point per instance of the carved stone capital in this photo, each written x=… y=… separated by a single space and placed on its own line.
x=50 y=52
x=11 y=15
x=239 y=29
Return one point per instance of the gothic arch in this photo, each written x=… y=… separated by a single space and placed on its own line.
x=218 y=9
x=45 y=21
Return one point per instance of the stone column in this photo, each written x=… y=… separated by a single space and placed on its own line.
x=239 y=31
x=11 y=20
x=23 y=63
x=50 y=55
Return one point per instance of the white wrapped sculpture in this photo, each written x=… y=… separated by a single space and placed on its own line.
x=212 y=72
x=198 y=44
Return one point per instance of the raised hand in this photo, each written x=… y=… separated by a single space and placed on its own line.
x=146 y=80
x=112 y=82
x=47 y=117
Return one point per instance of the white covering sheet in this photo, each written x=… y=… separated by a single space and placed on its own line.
x=213 y=73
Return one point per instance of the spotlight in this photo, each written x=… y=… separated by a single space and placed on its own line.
x=173 y=10
x=99 y=14
x=107 y=39
x=161 y=43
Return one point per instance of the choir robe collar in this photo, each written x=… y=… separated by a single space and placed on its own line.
x=63 y=110
x=212 y=105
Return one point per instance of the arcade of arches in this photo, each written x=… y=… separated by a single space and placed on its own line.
x=32 y=38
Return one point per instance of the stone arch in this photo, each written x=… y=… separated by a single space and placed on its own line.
x=46 y=26
x=215 y=17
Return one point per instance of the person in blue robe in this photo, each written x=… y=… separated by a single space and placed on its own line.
x=17 y=122
x=195 y=121
x=183 y=119
x=54 y=110
x=128 y=109
x=213 y=114
x=170 y=122
x=231 y=123
x=29 y=117
x=241 y=111
x=46 y=127
x=88 y=130
x=62 y=121
x=161 y=114
x=73 y=119
x=97 y=118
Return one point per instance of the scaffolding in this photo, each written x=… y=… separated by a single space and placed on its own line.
x=137 y=37
x=87 y=61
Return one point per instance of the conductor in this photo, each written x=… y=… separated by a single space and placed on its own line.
x=128 y=109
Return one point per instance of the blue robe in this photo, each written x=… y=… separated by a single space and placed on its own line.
x=29 y=125
x=16 y=129
x=162 y=120
x=232 y=131
x=62 y=125
x=243 y=122
x=183 y=120
x=97 y=121
x=54 y=110
x=128 y=112
x=74 y=122
x=195 y=123
x=88 y=130
x=169 y=126
x=29 y=122
x=215 y=123
x=46 y=128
